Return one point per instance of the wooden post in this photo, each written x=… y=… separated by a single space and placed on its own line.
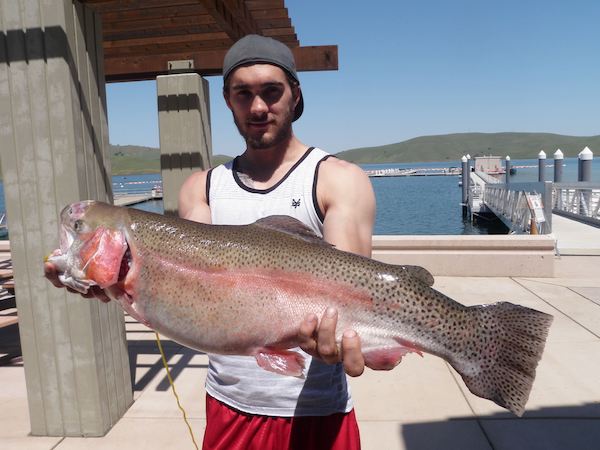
x=184 y=126
x=54 y=141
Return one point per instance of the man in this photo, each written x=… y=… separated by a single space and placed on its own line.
x=248 y=407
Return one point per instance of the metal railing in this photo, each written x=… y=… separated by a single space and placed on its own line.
x=580 y=201
x=509 y=203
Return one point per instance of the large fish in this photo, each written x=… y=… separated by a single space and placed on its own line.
x=245 y=290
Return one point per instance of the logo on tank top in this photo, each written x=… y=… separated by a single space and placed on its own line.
x=295 y=203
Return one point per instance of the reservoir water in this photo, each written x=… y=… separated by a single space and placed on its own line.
x=405 y=205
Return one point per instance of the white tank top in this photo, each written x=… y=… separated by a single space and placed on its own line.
x=238 y=381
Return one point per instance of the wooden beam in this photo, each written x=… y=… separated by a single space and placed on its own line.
x=232 y=16
x=162 y=32
x=104 y=6
x=209 y=62
x=112 y=17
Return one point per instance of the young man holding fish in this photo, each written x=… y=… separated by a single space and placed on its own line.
x=278 y=175
x=248 y=407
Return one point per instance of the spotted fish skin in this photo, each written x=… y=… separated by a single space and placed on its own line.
x=245 y=290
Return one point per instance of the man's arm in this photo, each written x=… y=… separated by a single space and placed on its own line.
x=346 y=197
x=193 y=204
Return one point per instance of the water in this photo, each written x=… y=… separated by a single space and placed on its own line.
x=405 y=205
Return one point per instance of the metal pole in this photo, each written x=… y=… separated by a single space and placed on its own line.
x=558 y=166
x=585 y=167
x=508 y=165
x=586 y=158
x=558 y=176
x=465 y=183
x=542 y=166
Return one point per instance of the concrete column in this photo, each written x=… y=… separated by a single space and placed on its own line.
x=184 y=127
x=586 y=158
x=542 y=166
x=507 y=169
x=558 y=166
x=54 y=142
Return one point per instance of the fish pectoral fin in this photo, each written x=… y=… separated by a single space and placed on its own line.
x=386 y=358
x=283 y=362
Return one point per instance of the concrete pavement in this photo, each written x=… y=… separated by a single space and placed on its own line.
x=422 y=404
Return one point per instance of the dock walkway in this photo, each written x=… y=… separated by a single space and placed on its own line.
x=575 y=238
x=422 y=404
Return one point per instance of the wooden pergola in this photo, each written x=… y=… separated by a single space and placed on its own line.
x=141 y=37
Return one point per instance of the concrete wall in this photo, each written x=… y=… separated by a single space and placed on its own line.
x=485 y=256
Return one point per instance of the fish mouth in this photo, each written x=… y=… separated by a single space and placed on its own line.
x=125 y=268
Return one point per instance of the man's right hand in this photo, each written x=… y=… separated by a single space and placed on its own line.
x=94 y=291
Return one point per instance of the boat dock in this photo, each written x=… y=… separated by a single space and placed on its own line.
x=417 y=172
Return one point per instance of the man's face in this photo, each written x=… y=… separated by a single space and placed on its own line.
x=262 y=103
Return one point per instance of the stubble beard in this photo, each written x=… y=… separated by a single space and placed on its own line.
x=282 y=134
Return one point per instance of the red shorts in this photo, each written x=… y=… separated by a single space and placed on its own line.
x=230 y=429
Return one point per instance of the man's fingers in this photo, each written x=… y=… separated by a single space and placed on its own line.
x=328 y=349
x=354 y=363
x=306 y=335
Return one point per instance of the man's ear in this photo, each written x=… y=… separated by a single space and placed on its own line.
x=297 y=91
x=226 y=97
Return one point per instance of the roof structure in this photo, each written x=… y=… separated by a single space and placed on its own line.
x=141 y=37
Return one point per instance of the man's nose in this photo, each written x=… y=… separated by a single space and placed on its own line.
x=258 y=105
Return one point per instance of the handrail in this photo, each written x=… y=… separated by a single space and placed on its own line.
x=580 y=201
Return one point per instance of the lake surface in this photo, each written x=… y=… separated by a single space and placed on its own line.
x=405 y=205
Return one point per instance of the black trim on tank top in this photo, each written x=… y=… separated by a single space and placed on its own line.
x=239 y=182
x=207 y=187
x=320 y=213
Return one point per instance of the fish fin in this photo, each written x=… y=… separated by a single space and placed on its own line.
x=101 y=256
x=283 y=362
x=386 y=358
x=511 y=342
x=420 y=273
x=291 y=226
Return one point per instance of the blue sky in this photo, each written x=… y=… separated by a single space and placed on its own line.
x=410 y=68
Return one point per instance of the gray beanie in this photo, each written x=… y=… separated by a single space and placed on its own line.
x=255 y=49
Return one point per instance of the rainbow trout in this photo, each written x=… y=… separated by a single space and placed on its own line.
x=245 y=290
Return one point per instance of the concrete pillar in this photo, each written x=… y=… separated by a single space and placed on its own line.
x=558 y=166
x=184 y=127
x=54 y=142
x=542 y=166
x=507 y=169
x=585 y=158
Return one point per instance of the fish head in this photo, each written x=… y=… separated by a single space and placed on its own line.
x=93 y=245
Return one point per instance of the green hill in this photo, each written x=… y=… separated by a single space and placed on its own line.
x=451 y=147
x=133 y=159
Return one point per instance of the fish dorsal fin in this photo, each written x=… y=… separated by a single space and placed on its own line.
x=290 y=226
x=419 y=273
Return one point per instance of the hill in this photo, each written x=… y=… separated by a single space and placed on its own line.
x=133 y=159
x=451 y=147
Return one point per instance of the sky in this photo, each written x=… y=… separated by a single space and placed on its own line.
x=410 y=68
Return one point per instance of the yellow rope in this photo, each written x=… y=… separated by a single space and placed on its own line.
x=164 y=360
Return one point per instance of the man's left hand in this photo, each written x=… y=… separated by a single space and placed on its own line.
x=318 y=339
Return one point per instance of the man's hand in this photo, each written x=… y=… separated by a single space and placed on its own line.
x=320 y=342
x=94 y=291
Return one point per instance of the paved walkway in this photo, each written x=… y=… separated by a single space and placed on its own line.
x=422 y=404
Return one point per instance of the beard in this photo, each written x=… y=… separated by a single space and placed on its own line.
x=282 y=133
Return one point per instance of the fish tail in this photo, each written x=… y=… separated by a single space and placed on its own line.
x=505 y=350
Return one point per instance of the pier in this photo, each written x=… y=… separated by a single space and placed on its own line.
x=568 y=211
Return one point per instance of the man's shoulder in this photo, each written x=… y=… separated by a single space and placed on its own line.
x=334 y=167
